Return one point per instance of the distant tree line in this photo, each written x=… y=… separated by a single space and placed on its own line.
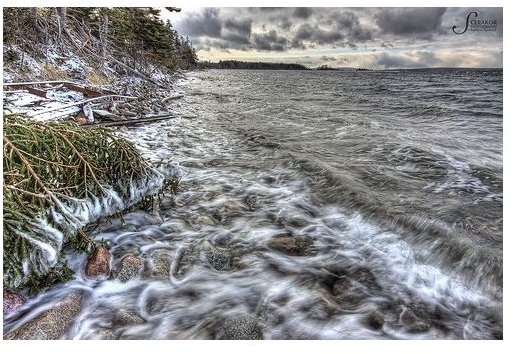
x=236 y=64
x=135 y=34
x=325 y=67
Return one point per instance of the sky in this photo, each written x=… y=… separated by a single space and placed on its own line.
x=373 y=38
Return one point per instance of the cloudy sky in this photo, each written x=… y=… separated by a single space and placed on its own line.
x=343 y=37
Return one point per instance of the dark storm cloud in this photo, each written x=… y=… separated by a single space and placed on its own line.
x=241 y=26
x=349 y=23
x=237 y=31
x=206 y=23
x=414 y=22
x=302 y=12
x=314 y=34
x=270 y=41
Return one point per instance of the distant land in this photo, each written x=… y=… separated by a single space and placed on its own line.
x=237 y=64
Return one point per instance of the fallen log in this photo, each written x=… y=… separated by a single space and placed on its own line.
x=39 y=83
x=131 y=121
x=171 y=97
x=37 y=92
x=84 y=90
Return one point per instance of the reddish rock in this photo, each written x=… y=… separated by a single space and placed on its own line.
x=99 y=262
x=12 y=301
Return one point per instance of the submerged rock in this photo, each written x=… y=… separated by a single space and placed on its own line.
x=12 y=301
x=414 y=322
x=184 y=261
x=99 y=262
x=127 y=318
x=105 y=334
x=375 y=320
x=290 y=245
x=218 y=259
x=204 y=220
x=229 y=209
x=348 y=291
x=130 y=267
x=241 y=327
x=51 y=324
x=158 y=266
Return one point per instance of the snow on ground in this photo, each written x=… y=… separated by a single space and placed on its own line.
x=21 y=101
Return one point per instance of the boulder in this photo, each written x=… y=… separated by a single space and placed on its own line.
x=130 y=267
x=51 y=324
x=241 y=327
x=99 y=263
x=12 y=301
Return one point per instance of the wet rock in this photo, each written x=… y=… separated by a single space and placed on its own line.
x=365 y=277
x=222 y=238
x=105 y=334
x=252 y=202
x=219 y=259
x=12 y=301
x=241 y=327
x=297 y=221
x=51 y=324
x=130 y=267
x=348 y=291
x=185 y=259
x=229 y=209
x=375 y=320
x=158 y=266
x=414 y=322
x=290 y=245
x=99 y=262
x=127 y=318
x=204 y=220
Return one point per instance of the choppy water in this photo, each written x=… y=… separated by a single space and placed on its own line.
x=393 y=180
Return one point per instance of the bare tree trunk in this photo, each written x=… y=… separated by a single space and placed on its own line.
x=35 y=17
x=104 y=35
x=61 y=13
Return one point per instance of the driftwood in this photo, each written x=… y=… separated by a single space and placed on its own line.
x=39 y=83
x=171 y=97
x=32 y=114
x=69 y=84
x=37 y=92
x=132 y=121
